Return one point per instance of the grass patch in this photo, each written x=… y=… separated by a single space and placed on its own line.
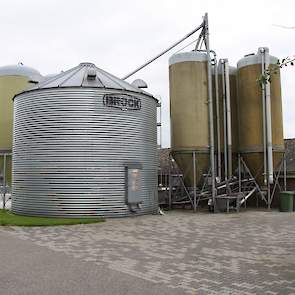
x=8 y=218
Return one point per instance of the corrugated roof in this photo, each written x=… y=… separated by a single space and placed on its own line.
x=87 y=75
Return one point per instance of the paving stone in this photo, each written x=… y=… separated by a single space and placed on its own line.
x=247 y=253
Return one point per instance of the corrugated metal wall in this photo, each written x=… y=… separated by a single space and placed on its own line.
x=70 y=151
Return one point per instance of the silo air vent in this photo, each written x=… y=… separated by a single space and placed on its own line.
x=91 y=74
x=139 y=83
x=33 y=82
x=250 y=54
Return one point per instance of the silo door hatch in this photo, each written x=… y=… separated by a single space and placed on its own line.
x=133 y=185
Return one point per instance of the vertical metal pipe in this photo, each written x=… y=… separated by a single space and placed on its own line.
x=217 y=120
x=228 y=118
x=263 y=122
x=268 y=156
x=170 y=184
x=268 y=123
x=195 y=182
x=210 y=107
x=224 y=120
x=239 y=169
x=4 y=181
x=285 y=172
x=268 y=196
x=159 y=123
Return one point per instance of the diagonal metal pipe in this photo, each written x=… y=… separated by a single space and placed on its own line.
x=165 y=51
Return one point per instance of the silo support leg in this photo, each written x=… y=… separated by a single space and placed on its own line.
x=256 y=185
x=195 y=182
x=276 y=181
x=170 y=186
x=4 y=181
x=240 y=173
x=268 y=196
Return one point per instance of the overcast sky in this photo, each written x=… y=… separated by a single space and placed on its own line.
x=118 y=36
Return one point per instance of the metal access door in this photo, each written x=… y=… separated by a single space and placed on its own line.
x=133 y=174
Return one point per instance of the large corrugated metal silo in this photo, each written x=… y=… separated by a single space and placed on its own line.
x=189 y=113
x=251 y=105
x=85 y=144
x=13 y=79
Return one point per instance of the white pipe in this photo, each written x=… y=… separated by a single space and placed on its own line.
x=263 y=119
x=268 y=122
x=224 y=120
x=217 y=119
x=228 y=118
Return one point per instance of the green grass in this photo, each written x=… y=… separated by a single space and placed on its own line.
x=8 y=218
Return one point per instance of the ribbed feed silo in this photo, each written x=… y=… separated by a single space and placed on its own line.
x=85 y=144
x=189 y=113
x=261 y=140
x=13 y=79
x=230 y=113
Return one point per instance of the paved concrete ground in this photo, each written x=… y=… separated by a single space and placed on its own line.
x=179 y=253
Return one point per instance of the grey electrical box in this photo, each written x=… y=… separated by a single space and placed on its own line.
x=133 y=183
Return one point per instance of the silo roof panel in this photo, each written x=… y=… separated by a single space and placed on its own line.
x=188 y=57
x=73 y=78
x=253 y=59
x=87 y=75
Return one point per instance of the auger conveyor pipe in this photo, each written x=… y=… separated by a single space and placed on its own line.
x=163 y=52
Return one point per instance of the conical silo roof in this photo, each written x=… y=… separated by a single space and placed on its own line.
x=20 y=70
x=87 y=75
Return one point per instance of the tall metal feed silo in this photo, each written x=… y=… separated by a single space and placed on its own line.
x=85 y=144
x=189 y=113
x=261 y=140
x=227 y=91
x=13 y=79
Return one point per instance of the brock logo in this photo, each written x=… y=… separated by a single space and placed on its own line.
x=122 y=101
